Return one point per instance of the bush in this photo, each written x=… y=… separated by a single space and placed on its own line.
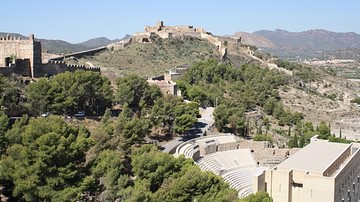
x=260 y=137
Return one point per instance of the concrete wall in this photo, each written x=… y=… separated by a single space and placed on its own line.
x=278 y=185
x=228 y=146
x=341 y=184
x=347 y=180
x=316 y=188
x=259 y=182
x=208 y=147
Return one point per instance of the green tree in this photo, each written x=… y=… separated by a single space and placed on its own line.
x=48 y=162
x=193 y=184
x=221 y=116
x=183 y=123
x=132 y=89
x=148 y=163
x=4 y=126
x=237 y=120
x=9 y=96
x=257 y=197
x=324 y=130
x=302 y=141
x=38 y=96
x=14 y=135
x=174 y=115
x=293 y=142
x=108 y=168
x=196 y=94
x=107 y=123
x=70 y=92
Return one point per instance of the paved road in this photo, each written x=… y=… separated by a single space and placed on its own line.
x=204 y=122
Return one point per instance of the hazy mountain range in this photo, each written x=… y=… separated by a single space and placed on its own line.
x=320 y=44
x=310 y=40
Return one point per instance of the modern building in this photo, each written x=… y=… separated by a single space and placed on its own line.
x=321 y=171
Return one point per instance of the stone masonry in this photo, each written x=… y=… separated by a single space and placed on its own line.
x=12 y=48
x=23 y=57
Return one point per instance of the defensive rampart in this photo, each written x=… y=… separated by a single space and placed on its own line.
x=56 y=67
x=23 y=57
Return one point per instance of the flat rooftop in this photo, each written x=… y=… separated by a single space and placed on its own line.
x=315 y=157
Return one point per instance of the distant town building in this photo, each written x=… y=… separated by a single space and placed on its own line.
x=321 y=171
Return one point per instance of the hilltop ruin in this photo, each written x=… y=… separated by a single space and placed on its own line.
x=166 y=32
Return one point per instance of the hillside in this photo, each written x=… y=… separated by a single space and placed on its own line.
x=326 y=98
x=149 y=59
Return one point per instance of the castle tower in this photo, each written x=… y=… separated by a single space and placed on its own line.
x=25 y=49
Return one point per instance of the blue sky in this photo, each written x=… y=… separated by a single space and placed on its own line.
x=79 y=20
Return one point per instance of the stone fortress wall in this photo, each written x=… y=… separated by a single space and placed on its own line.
x=56 y=67
x=23 y=57
x=22 y=54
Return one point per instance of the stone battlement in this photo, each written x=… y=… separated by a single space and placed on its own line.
x=9 y=38
x=23 y=57
x=56 y=67
x=62 y=64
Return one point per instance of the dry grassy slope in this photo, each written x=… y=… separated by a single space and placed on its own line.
x=340 y=113
x=152 y=58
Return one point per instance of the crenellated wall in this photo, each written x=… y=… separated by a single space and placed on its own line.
x=23 y=57
x=16 y=48
x=56 y=67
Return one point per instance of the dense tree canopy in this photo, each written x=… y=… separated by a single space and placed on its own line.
x=135 y=91
x=174 y=115
x=70 y=92
x=234 y=91
x=52 y=159
x=257 y=197
x=46 y=162
x=10 y=95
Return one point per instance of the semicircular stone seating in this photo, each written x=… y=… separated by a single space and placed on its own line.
x=236 y=167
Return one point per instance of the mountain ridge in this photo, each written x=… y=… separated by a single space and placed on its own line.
x=314 y=39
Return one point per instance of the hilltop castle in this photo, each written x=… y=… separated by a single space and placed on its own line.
x=166 y=32
x=23 y=57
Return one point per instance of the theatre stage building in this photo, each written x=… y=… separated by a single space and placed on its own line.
x=321 y=171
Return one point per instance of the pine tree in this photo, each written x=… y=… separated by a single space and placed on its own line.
x=340 y=133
